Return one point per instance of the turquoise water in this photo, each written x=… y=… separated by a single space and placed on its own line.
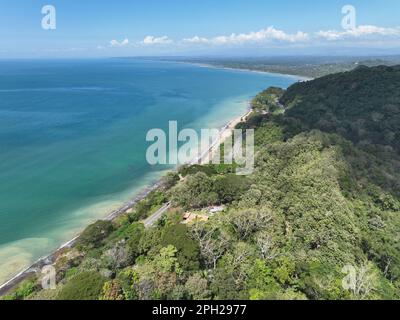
x=72 y=139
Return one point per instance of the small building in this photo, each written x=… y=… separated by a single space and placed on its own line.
x=189 y=218
x=216 y=209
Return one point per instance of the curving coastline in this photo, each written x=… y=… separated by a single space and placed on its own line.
x=225 y=132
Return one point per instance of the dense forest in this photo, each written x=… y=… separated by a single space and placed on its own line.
x=318 y=219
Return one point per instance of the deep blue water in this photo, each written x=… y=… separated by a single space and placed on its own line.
x=72 y=138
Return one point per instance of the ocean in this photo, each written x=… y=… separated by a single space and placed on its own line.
x=73 y=138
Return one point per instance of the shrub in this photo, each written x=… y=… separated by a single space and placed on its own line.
x=84 y=286
x=24 y=290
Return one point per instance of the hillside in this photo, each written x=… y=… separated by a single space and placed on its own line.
x=323 y=201
x=362 y=105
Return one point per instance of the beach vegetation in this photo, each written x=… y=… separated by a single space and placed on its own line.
x=23 y=291
x=154 y=200
x=93 y=235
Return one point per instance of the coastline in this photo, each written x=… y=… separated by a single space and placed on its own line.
x=52 y=257
x=225 y=132
x=221 y=67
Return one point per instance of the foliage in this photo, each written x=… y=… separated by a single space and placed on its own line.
x=134 y=234
x=230 y=187
x=23 y=290
x=268 y=100
x=84 y=286
x=170 y=180
x=361 y=105
x=195 y=192
x=188 y=253
x=94 y=234
x=146 y=206
x=197 y=287
x=112 y=290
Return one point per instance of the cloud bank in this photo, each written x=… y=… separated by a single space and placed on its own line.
x=151 y=40
x=359 y=32
x=273 y=36
x=269 y=34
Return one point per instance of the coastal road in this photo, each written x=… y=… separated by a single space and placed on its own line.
x=149 y=222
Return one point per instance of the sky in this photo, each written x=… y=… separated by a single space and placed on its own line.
x=102 y=28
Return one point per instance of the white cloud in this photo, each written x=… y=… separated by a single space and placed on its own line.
x=265 y=35
x=150 y=40
x=116 y=43
x=196 y=39
x=273 y=36
x=359 y=32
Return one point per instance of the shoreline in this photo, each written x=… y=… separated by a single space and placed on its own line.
x=50 y=259
x=34 y=268
x=221 y=67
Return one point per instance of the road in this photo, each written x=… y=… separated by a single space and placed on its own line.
x=149 y=222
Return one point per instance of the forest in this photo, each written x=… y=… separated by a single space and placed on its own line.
x=319 y=218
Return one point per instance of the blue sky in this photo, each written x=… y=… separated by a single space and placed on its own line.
x=122 y=27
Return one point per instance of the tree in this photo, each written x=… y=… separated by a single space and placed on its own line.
x=119 y=256
x=230 y=187
x=223 y=286
x=212 y=241
x=361 y=281
x=195 y=192
x=197 y=287
x=156 y=278
x=166 y=261
x=248 y=221
x=170 y=180
x=238 y=262
x=94 y=234
x=265 y=244
x=188 y=250
x=134 y=234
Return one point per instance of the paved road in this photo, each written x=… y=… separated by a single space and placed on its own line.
x=149 y=222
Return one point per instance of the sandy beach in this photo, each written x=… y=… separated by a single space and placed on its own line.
x=225 y=133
